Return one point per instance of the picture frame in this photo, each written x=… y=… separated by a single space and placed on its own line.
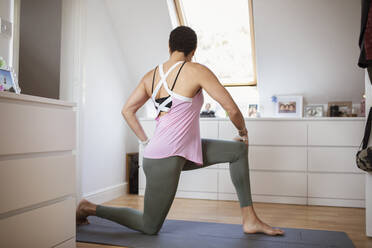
x=344 y=109
x=289 y=106
x=8 y=80
x=252 y=110
x=312 y=111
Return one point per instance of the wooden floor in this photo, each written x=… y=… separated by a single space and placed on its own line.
x=349 y=220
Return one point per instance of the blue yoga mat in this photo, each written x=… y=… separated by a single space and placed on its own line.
x=195 y=234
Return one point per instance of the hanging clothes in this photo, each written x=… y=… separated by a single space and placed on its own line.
x=365 y=38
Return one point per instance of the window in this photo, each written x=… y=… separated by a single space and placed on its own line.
x=225 y=37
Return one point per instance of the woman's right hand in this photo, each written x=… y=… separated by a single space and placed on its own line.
x=243 y=138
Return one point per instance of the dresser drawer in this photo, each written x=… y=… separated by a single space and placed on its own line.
x=276 y=158
x=201 y=180
x=43 y=227
x=269 y=132
x=47 y=129
x=333 y=159
x=335 y=133
x=268 y=183
x=209 y=129
x=342 y=186
x=24 y=182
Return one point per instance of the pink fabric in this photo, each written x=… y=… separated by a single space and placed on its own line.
x=178 y=131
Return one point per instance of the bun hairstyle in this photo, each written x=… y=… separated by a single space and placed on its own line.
x=182 y=39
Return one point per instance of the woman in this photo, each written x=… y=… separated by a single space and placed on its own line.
x=176 y=144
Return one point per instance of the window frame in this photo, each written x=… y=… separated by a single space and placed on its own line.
x=181 y=21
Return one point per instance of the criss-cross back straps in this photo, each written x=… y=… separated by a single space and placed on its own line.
x=162 y=106
x=163 y=78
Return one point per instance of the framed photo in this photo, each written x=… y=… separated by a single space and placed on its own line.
x=314 y=111
x=252 y=110
x=8 y=81
x=339 y=109
x=289 y=106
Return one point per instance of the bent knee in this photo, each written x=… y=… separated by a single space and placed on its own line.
x=151 y=230
x=243 y=149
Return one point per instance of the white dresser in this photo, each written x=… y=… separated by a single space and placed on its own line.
x=37 y=172
x=297 y=161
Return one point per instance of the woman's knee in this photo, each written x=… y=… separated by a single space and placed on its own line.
x=242 y=148
x=151 y=230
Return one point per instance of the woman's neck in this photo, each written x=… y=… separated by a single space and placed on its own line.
x=178 y=56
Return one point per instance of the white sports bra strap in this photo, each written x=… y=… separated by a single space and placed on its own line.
x=163 y=80
x=162 y=106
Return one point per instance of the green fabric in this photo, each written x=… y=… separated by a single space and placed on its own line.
x=162 y=176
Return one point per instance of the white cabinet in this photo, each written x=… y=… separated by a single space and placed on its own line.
x=209 y=129
x=278 y=158
x=332 y=159
x=37 y=172
x=268 y=132
x=335 y=133
x=296 y=161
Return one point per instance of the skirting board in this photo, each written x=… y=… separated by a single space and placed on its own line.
x=271 y=199
x=336 y=202
x=71 y=243
x=107 y=194
x=234 y=197
x=266 y=198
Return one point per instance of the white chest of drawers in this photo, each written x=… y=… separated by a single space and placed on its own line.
x=37 y=172
x=297 y=161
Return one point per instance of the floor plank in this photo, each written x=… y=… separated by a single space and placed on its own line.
x=349 y=220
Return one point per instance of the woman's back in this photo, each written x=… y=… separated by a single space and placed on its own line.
x=177 y=130
x=186 y=84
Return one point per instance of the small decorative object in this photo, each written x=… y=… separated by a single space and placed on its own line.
x=314 y=111
x=8 y=81
x=2 y=62
x=252 y=110
x=289 y=106
x=339 y=109
x=363 y=106
x=274 y=99
x=207 y=112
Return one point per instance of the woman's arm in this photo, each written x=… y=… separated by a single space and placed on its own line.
x=136 y=100
x=210 y=83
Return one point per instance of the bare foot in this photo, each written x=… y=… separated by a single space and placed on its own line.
x=81 y=213
x=257 y=226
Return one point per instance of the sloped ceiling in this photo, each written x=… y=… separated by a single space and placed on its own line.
x=143 y=28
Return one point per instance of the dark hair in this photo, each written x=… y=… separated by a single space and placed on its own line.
x=182 y=39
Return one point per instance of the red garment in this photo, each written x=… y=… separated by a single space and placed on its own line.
x=368 y=35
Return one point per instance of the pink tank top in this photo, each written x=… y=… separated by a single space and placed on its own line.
x=178 y=131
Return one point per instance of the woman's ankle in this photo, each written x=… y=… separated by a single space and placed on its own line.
x=249 y=215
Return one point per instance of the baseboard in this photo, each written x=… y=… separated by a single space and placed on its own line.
x=107 y=194
x=337 y=202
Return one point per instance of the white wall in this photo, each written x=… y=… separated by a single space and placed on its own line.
x=308 y=48
x=107 y=46
x=5 y=42
x=143 y=28
x=99 y=81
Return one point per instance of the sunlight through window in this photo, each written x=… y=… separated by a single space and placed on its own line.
x=225 y=37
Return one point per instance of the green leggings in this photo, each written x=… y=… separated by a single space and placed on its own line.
x=162 y=176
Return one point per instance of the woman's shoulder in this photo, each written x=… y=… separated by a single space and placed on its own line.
x=198 y=68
